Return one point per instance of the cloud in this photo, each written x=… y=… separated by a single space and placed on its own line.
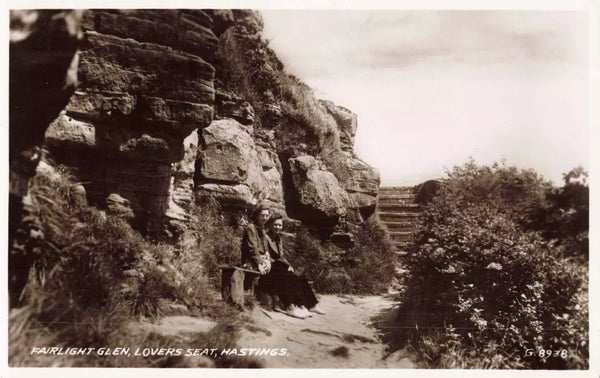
x=342 y=41
x=432 y=88
x=473 y=37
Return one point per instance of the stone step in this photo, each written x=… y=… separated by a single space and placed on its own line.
x=398 y=196
x=396 y=199
x=396 y=190
x=387 y=216
x=390 y=188
x=400 y=226
x=398 y=207
x=401 y=236
x=402 y=248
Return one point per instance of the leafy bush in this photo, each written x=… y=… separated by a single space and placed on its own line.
x=518 y=194
x=373 y=259
x=367 y=268
x=496 y=289
x=209 y=243
x=565 y=217
x=318 y=262
x=93 y=273
x=74 y=294
x=85 y=251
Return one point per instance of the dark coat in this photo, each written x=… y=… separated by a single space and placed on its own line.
x=254 y=246
x=276 y=249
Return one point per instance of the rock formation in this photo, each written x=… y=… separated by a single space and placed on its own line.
x=146 y=84
x=174 y=105
x=231 y=166
x=319 y=196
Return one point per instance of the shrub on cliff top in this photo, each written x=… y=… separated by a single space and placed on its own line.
x=248 y=67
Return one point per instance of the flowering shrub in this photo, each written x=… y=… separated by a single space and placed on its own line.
x=499 y=288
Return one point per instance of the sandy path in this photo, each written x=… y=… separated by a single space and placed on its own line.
x=349 y=323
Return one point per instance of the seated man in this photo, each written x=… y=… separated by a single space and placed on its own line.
x=255 y=253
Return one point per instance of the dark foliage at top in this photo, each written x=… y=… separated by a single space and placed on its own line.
x=565 y=216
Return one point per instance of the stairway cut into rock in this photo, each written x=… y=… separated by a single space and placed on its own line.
x=398 y=211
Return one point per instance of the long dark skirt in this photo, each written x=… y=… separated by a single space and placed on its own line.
x=290 y=288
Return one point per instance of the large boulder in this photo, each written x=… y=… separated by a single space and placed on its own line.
x=66 y=132
x=231 y=197
x=228 y=155
x=361 y=181
x=318 y=197
x=225 y=153
x=118 y=206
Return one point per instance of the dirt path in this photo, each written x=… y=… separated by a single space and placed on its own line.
x=347 y=337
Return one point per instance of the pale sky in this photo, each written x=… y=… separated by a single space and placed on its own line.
x=433 y=88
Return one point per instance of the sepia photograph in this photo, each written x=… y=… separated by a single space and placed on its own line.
x=269 y=188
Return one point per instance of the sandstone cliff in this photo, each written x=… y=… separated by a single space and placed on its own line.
x=174 y=105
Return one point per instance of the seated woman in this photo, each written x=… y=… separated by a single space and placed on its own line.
x=293 y=290
x=278 y=279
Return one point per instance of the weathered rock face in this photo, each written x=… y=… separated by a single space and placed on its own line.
x=346 y=121
x=320 y=197
x=229 y=105
x=182 y=183
x=234 y=169
x=188 y=30
x=146 y=84
x=159 y=121
x=361 y=181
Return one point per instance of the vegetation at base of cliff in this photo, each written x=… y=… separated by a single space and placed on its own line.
x=487 y=288
x=366 y=268
x=373 y=259
x=210 y=241
x=93 y=275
